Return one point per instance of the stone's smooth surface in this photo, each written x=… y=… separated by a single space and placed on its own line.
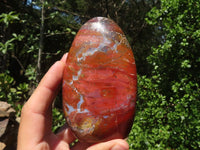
x=100 y=83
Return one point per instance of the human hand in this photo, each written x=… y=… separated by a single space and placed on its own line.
x=36 y=119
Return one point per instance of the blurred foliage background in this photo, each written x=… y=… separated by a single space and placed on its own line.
x=164 y=35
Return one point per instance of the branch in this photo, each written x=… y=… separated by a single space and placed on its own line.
x=54 y=34
x=69 y=12
x=121 y=5
x=41 y=42
x=55 y=54
x=19 y=62
x=118 y=9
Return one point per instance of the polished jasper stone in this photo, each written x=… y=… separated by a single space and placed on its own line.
x=100 y=83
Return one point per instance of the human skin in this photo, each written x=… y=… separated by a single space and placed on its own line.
x=36 y=119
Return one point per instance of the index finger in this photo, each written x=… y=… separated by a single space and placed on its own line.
x=46 y=91
x=35 y=121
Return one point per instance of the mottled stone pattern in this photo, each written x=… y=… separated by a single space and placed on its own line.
x=99 y=82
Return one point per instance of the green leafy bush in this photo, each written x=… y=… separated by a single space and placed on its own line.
x=14 y=95
x=58 y=119
x=168 y=110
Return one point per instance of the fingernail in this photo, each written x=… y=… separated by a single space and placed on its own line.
x=118 y=147
x=64 y=57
